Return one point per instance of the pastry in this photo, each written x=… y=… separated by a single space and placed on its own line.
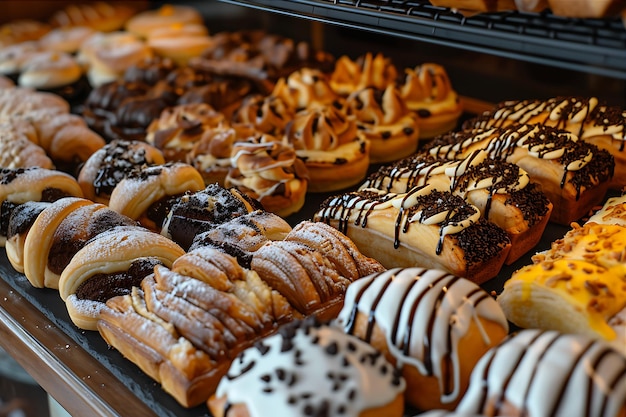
x=66 y=39
x=147 y=194
x=110 y=264
x=500 y=190
x=180 y=42
x=334 y=152
x=22 y=101
x=20 y=221
x=6 y=82
x=268 y=114
x=613 y=211
x=277 y=374
x=587 y=118
x=106 y=167
x=12 y=58
x=423 y=227
x=21 y=185
x=180 y=127
x=269 y=172
x=540 y=373
x=196 y=212
x=385 y=121
x=428 y=92
x=21 y=30
x=573 y=174
x=432 y=325
x=59 y=232
x=143 y=23
x=18 y=151
x=99 y=16
x=306 y=88
x=368 y=70
x=49 y=71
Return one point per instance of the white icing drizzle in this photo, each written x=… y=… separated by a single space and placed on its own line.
x=549 y=374
x=423 y=314
x=314 y=367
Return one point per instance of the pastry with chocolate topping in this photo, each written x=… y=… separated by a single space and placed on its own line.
x=589 y=119
x=574 y=174
x=20 y=221
x=276 y=376
x=21 y=185
x=501 y=190
x=196 y=212
x=148 y=193
x=432 y=325
x=59 y=232
x=423 y=227
x=368 y=70
x=536 y=372
x=113 y=162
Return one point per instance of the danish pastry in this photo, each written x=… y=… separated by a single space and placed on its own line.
x=432 y=325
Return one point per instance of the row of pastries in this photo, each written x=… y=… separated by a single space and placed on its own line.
x=157 y=210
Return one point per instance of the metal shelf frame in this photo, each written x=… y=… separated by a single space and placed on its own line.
x=595 y=46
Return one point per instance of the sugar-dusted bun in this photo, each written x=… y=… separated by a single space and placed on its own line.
x=269 y=171
x=311 y=369
x=49 y=70
x=143 y=23
x=423 y=227
x=432 y=325
x=501 y=190
x=368 y=70
x=147 y=194
x=106 y=167
x=21 y=185
x=539 y=373
x=109 y=265
x=428 y=92
x=573 y=174
x=12 y=57
x=589 y=119
x=385 y=121
x=99 y=16
x=18 y=151
x=335 y=153
x=197 y=212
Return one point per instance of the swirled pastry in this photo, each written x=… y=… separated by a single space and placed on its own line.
x=573 y=174
x=334 y=152
x=268 y=114
x=99 y=16
x=106 y=167
x=270 y=172
x=385 y=120
x=306 y=89
x=590 y=120
x=21 y=185
x=501 y=190
x=110 y=264
x=423 y=227
x=146 y=195
x=428 y=92
x=547 y=373
x=368 y=70
x=277 y=374
x=432 y=325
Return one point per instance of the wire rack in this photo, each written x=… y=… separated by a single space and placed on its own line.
x=595 y=46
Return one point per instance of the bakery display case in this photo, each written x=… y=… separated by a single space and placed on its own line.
x=489 y=57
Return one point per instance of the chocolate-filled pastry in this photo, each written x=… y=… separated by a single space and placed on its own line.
x=106 y=167
x=501 y=190
x=573 y=174
x=277 y=375
x=110 y=264
x=385 y=120
x=270 y=172
x=337 y=247
x=147 y=194
x=21 y=185
x=424 y=227
x=243 y=235
x=303 y=275
x=538 y=373
x=197 y=212
x=20 y=221
x=59 y=232
x=432 y=325
x=589 y=119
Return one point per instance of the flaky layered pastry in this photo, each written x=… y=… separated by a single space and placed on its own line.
x=423 y=227
x=501 y=190
x=590 y=120
x=573 y=174
x=368 y=70
x=432 y=325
